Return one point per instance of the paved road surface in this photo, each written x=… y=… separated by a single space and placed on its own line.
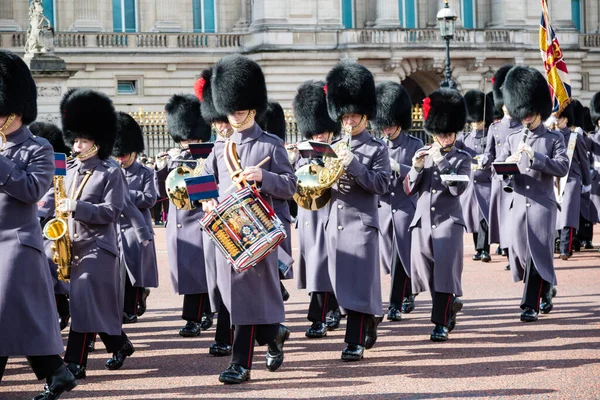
x=491 y=354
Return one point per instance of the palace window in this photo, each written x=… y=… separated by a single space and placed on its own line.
x=467 y=12
x=124 y=15
x=347 y=13
x=49 y=13
x=126 y=86
x=407 y=10
x=576 y=13
x=204 y=16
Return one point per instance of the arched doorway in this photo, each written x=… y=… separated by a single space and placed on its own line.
x=420 y=84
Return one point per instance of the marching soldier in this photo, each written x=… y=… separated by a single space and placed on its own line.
x=185 y=241
x=46 y=209
x=252 y=297
x=497 y=134
x=310 y=110
x=223 y=333
x=594 y=146
x=476 y=199
x=587 y=218
x=353 y=226
x=577 y=182
x=26 y=171
x=438 y=226
x=273 y=121
x=140 y=258
x=394 y=119
x=541 y=156
x=95 y=198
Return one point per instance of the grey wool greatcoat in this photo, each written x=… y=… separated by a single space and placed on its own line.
x=253 y=297
x=533 y=209
x=579 y=174
x=140 y=260
x=185 y=244
x=396 y=207
x=46 y=211
x=282 y=210
x=475 y=201
x=28 y=318
x=499 y=200
x=593 y=143
x=95 y=296
x=313 y=270
x=438 y=226
x=353 y=227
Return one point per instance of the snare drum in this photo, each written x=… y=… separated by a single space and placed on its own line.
x=244 y=228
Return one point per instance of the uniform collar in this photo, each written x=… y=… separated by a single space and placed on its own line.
x=88 y=164
x=400 y=140
x=247 y=135
x=541 y=129
x=18 y=137
x=509 y=122
x=360 y=138
x=133 y=168
x=477 y=133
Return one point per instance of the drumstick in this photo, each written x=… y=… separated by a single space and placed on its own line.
x=260 y=164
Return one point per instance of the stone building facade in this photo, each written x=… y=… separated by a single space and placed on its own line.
x=140 y=52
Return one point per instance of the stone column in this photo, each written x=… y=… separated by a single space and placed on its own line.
x=166 y=17
x=387 y=14
x=329 y=14
x=87 y=16
x=243 y=23
x=7 y=16
x=269 y=14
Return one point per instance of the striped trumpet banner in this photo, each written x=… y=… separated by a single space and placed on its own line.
x=201 y=150
x=60 y=164
x=202 y=188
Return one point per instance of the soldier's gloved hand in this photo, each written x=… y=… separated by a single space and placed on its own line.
x=174 y=152
x=145 y=243
x=418 y=160
x=67 y=205
x=346 y=157
x=209 y=205
x=293 y=155
x=395 y=165
x=586 y=188
x=525 y=148
x=513 y=158
x=436 y=153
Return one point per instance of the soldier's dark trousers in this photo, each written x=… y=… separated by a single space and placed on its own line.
x=132 y=296
x=77 y=345
x=62 y=304
x=482 y=242
x=441 y=312
x=401 y=284
x=535 y=286
x=243 y=341
x=320 y=304
x=224 y=332
x=356 y=327
x=586 y=230
x=194 y=306
x=566 y=240
x=42 y=366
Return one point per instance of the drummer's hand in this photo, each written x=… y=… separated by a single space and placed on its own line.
x=253 y=174
x=209 y=205
x=513 y=158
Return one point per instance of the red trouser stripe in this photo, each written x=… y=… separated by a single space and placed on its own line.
x=570 y=247
x=250 y=348
x=200 y=307
x=83 y=349
x=404 y=290
x=137 y=293
x=362 y=322
x=323 y=312
x=446 y=313
x=539 y=295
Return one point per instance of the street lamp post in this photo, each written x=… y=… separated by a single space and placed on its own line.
x=447 y=20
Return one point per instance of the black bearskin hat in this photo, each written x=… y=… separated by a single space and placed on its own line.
x=497 y=112
x=203 y=90
x=51 y=133
x=18 y=93
x=497 y=85
x=595 y=109
x=310 y=110
x=477 y=104
x=90 y=115
x=238 y=84
x=394 y=107
x=587 y=124
x=577 y=113
x=184 y=119
x=273 y=121
x=526 y=93
x=350 y=89
x=568 y=113
x=444 y=111
x=130 y=138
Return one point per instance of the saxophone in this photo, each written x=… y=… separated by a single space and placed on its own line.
x=57 y=230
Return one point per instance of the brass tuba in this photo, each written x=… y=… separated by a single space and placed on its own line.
x=57 y=230
x=175 y=183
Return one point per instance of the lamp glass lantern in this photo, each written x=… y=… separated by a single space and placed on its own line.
x=447 y=20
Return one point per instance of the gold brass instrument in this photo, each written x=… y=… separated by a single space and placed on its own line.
x=57 y=230
x=175 y=183
x=4 y=127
